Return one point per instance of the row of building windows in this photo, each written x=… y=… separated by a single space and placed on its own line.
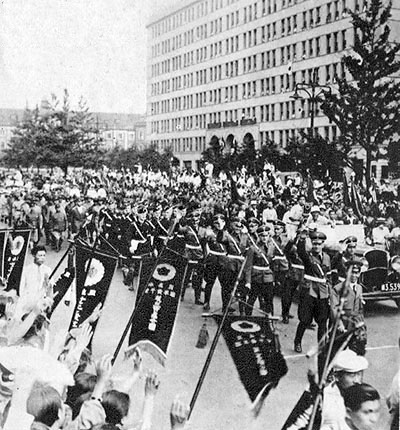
x=256 y=88
x=314 y=47
x=278 y=111
x=334 y=41
x=287 y=26
x=282 y=137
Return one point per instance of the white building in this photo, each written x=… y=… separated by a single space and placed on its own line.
x=228 y=68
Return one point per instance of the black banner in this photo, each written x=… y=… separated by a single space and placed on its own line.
x=62 y=285
x=14 y=257
x=92 y=284
x=3 y=242
x=156 y=311
x=254 y=350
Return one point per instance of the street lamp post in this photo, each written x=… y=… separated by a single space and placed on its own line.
x=313 y=91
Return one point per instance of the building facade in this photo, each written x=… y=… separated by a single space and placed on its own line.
x=116 y=129
x=228 y=68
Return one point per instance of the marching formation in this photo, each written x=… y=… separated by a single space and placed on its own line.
x=258 y=237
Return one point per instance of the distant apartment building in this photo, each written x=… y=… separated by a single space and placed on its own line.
x=116 y=129
x=121 y=130
x=228 y=68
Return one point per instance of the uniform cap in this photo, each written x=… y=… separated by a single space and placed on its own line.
x=349 y=361
x=317 y=235
x=236 y=219
x=355 y=262
x=279 y=223
x=253 y=220
x=263 y=229
x=381 y=220
x=216 y=217
x=350 y=239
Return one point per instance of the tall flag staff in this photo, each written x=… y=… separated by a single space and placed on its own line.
x=328 y=359
x=71 y=244
x=216 y=338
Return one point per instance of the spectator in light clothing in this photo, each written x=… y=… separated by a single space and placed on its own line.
x=380 y=234
x=35 y=281
x=348 y=369
x=269 y=214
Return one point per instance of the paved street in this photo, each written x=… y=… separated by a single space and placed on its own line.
x=223 y=402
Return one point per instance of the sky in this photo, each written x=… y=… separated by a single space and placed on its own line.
x=94 y=48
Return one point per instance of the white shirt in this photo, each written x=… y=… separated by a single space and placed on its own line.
x=333 y=409
x=34 y=284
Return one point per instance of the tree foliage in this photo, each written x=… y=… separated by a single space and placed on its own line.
x=236 y=155
x=149 y=158
x=316 y=155
x=366 y=106
x=55 y=135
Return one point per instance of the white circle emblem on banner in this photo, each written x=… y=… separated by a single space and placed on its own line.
x=17 y=245
x=164 y=272
x=245 y=326
x=95 y=272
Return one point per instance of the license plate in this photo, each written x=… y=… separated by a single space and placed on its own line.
x=390 y=286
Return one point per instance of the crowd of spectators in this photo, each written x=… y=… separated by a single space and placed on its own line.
x=79 y=393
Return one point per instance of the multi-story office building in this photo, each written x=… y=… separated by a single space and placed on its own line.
x=228 y=68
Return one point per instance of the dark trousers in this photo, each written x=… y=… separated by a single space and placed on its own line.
x=312 y=308
x=194 y=276
x=264 y=292
x=227 y=279
x=287 y=292
x=210 y=276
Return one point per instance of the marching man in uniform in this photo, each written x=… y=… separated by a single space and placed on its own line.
x=314 y=294
x=262 y=277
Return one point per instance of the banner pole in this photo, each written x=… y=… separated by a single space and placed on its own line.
x=215 y=340
x=61 y=260
x=324 y=374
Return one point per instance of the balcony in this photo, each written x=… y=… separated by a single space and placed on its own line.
x=213 y=125
x=226 y=124
x=248 y=121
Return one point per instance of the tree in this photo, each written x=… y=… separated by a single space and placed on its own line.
x=56 y=136
x=366 y=106
x=317 y=155
x=148 y=158
x=393 y=155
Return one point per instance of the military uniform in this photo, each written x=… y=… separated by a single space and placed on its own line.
x=214 y=250
x=235 y=244
x=194 y=235
x=340 y=259
x=262 y=277
x=315 y=291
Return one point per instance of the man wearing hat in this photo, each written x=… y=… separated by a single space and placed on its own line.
x=340 y=259
x=214 y=251
x=316 y=218
x=235 y=242
x=380 y=234
x=262 y=276
x=294 y=217
x=252 y=226
x=194 y=234
x=348 y=370
x=351 y=292
x=314 y=294
x=280 y=262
